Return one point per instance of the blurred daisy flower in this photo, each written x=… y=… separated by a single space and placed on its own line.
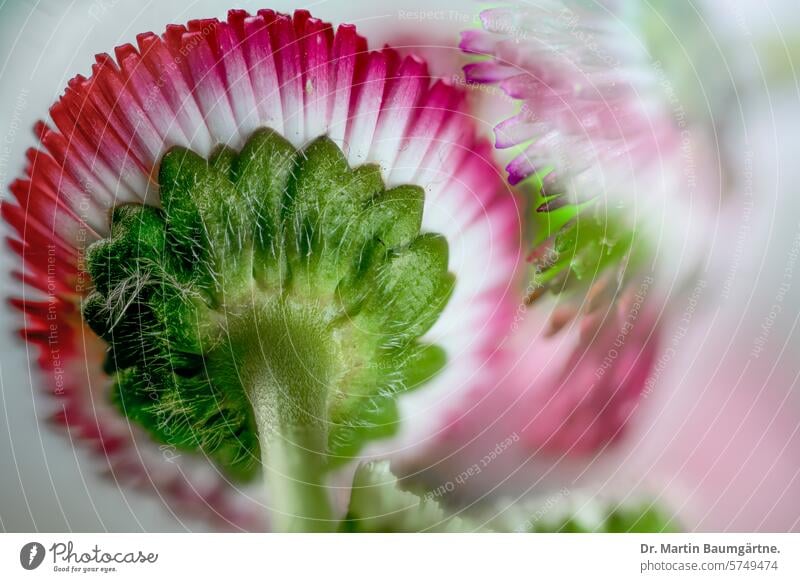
x=591 y=131
x=620 y=203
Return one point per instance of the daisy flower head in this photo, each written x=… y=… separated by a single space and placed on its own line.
x=249 y=239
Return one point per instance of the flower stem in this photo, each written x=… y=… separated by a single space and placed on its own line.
x=287 y=364
x=294 y=473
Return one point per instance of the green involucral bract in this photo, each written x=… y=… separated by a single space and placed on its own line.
x=575 y=244
x=273 y=290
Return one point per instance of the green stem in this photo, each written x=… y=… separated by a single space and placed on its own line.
x=287 y=364
x=294 y=466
